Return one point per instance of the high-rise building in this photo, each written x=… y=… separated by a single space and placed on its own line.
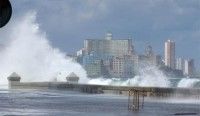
x=93 y=65
x=123 y=67
x=170 y=54
x=149 y=58
x=108 y=46
x=180 y=64
x=189 y=67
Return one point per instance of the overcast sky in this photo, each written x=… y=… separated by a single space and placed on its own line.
x=68 y=22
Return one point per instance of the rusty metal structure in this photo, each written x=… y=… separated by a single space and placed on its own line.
x=135 y=99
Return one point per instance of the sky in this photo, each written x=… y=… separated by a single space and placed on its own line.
x=67 y=23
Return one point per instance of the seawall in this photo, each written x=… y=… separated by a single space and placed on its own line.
x=148 y=91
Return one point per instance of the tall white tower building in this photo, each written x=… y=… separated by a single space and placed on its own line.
x=170 y=54
x=189 y=67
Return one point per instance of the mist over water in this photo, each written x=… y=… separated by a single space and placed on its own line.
x=28 y=52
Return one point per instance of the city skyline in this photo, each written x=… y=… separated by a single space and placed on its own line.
x=117 y=58
x=77 y=20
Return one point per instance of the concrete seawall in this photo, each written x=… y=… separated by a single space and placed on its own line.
x=135 y=95
x=72 y=84
x=149 y=91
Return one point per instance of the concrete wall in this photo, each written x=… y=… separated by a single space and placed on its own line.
x=148 y=91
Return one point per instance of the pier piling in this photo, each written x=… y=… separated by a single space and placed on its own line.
x=134 y=99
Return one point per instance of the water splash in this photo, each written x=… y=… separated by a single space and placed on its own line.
x=101 y=81
x=148 y=76
x=29 y=53
x=189 y=83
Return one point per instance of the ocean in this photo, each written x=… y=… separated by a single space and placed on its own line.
x=72 y=103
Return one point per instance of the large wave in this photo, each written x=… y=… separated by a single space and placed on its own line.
x=28 y=52
x=148 y=76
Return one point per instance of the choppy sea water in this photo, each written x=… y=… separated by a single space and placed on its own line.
x=70 y=103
